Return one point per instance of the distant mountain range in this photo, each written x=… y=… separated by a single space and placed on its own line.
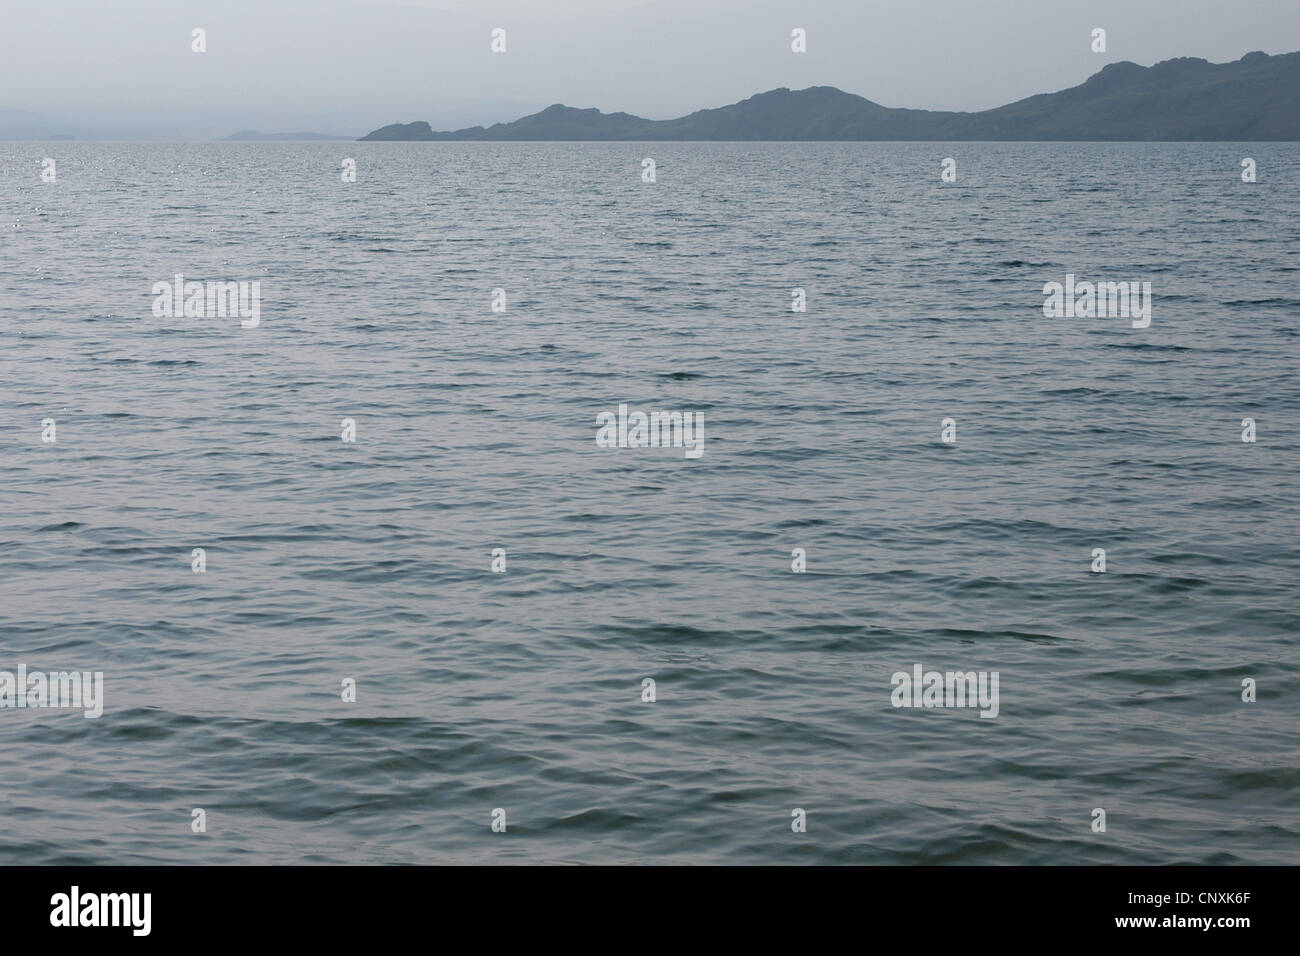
x=1254 y=98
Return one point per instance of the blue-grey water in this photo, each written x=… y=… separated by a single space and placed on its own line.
x=475 y=430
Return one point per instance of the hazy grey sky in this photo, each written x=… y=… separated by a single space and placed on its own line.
x=348 y=66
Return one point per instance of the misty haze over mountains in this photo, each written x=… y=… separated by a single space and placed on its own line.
x=1254 y=98
x=266 y=120
x=126 y=70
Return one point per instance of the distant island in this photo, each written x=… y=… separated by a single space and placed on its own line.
x=252 y=136
x=1184 y=99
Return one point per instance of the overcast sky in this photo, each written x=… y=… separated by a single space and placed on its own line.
x=348 y=66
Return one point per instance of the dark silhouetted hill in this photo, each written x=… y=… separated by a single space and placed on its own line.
x=1254 y=98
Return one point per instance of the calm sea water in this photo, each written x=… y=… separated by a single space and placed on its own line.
x=476 y=430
